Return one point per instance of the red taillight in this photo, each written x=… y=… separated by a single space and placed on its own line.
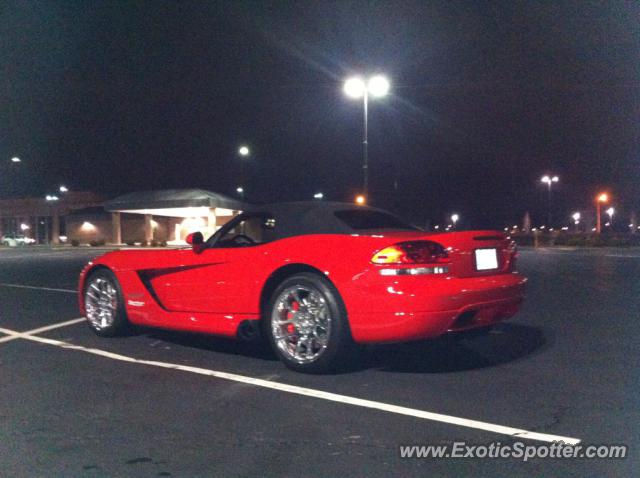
x=411 y=252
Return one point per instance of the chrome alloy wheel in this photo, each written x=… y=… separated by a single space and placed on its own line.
x=301 y=323
x=101 y=302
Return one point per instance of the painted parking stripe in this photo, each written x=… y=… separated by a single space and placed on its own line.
x=52 y=289
x=13 y=335
x=309 y=392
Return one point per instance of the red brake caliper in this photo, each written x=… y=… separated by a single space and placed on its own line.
x=290 y=327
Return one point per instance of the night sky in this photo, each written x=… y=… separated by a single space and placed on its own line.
x=486 y=97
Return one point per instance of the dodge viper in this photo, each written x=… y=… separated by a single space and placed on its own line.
x=312 y=279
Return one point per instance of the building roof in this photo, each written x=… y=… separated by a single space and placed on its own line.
x=168 y=202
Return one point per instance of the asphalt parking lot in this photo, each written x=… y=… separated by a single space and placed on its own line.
x=170 y=404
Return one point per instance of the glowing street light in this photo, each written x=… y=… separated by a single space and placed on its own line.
x=601 y=199
x=51 y=198
x=454 y=219
x=549 y=180
x=15 y=159
x=244 y=151
x=318 y=196
x=377 y=87
x=360 y=200
x=240 y=190
x=63 y=189
x=576 y=217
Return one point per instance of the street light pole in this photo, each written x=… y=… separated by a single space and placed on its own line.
x=377 y=86
x=602 y=198
x=549 y=180
x=365 y=143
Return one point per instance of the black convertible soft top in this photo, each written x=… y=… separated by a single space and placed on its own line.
x=325 y=217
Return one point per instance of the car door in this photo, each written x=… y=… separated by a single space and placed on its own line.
x=224 y=277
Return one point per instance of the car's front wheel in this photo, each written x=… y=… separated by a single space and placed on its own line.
x=104 y=304
x=307 y=324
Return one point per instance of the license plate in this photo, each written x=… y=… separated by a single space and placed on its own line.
x=486 y=259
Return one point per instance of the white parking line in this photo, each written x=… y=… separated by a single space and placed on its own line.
x=309 y=392
x=20 y=286
x=13 y=335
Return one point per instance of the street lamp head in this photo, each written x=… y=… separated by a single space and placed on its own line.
x=378 y=86
x=555 y=179
x=576 y=216
x=244 y=151
x=318 y=196
x=239 y=190
x=610 y=211
x=454 y=218
x=603 y=197
x=354 y=87
x=15 y=159
x=546 y=179
x=64 y=189
x=51 y=198
x=360 y=200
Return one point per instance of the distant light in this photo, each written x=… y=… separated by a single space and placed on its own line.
x=15 y=159
x=24 y=227
x=565 y=228
x=576 y=216
x=542 y=227
x=437 y=227
x=64 y=189
x=610 y=211
x=607 y=224
x=630 y=225
x=551 y=229
x=454 y=218
x=354 y=87
x=318 y=196
x=506 y=228
x=603 y=197
x=244 y=151
x=515 y=227
x=378 y=86
x=51 y=198
x=361 y=200
x=534 y=229
x=239 y=190
x=548 y=180
x=555 y=179
x=87 y=227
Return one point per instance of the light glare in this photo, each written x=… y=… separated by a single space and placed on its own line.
x=243 y=151
x=378 y=86
x=354 y=87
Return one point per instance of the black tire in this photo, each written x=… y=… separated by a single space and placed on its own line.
x=117 y=323
x=338 y=342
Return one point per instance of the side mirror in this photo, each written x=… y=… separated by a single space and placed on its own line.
x=196 y=240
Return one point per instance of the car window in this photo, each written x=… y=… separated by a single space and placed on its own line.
x=250 y=231
x=361 y=219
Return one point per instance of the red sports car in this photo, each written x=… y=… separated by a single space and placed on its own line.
x=313 y=278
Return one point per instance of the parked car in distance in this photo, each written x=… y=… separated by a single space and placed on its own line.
x=15 y=240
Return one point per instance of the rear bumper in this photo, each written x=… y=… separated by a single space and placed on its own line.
x=411 y=308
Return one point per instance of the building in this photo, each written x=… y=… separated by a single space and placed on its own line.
x=42 y=218
x=135 y=218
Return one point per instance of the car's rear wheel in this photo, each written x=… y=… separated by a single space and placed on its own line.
x=306 y=324
x=104 y=304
